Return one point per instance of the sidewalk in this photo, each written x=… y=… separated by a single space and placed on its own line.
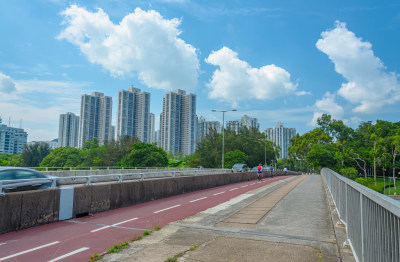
x=296 y=227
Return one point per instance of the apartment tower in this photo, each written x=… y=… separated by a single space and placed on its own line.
x=281 y=136
x=95 y=119
x=68 y=130
x=178 y=122
x=133 y=116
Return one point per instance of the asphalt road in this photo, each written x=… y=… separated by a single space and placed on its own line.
x=78 y=239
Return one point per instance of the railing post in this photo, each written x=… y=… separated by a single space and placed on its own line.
x=174 y=174
x=142 y=176
x=1 y=188
x=89 y=180
x=53 y=183
x=47 y=169
x=120 y=178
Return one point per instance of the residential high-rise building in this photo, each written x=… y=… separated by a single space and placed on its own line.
x=178 y=122
x=249 y=122
x=204 y=127
x=12 y=140
x=281 y=136
x=68 y=130
x=95 y=119
x=233 y=125
x=151 y=128
x=133 y=117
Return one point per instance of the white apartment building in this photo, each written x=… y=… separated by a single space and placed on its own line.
x=12 y=140
x=203 y=127
x=249 y=122
x=281 y=136
x=68 y=130
x=95 y=119
x=133 y=116
x=234 y=125
x=151 y=128
x=178 y=122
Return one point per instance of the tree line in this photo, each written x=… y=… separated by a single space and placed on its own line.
x=372 y=148
x=126 y=152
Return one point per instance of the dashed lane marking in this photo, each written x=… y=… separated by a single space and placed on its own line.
x=116 y=224
x=69 y=254
x=233 y=189
x=165 y=209
x=29 y=250
x=197 y=199
x=245 y=186
x=216 y=194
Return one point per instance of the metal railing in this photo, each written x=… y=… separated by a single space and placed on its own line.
x=89 y=180
x=372 y=220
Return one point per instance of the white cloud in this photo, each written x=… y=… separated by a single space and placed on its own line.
x=302 y=93
x=236 y=80
x=369 y=87
x=143 y=42
x=7 y=85
x=327 y=105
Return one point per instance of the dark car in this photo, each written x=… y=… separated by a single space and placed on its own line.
x=23 y=179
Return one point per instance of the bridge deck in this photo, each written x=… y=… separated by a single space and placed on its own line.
x=298 y=228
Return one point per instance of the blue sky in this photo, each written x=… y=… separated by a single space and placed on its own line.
x=287 y=61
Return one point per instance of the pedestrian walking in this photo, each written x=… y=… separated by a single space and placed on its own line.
x=271 y=169
x=285 y=170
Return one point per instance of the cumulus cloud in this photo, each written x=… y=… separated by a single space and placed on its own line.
x=143 y=42
x=368 y=85
x=236 y=80
x=327 y=105
x=7 y=85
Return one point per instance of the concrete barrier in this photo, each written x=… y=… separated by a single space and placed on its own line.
x=26 y=209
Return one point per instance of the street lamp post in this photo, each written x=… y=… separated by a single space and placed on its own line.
x=265 y=147
x=223 y=133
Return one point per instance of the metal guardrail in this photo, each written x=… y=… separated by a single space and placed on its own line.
x=372 y=220
x=104 y=168
x=89 y=180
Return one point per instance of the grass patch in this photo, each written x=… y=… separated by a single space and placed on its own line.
x=193 y=248
x=147 y=232
x=156 y=227
x=391 y=190
x=95 y=257
x=118 y=248
x=174 y=258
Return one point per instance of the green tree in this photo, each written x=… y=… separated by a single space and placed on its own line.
x=145 y=155
x=63 y=157
x=33 y=154
x=235 y=156
x=321 y=155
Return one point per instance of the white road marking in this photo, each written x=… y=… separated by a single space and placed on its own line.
x=226 y=204
x=233 y=189
x=216 y=194
x=95 y=230
x=69 y=254
x=245 y=186
x=3 y=243
x=252 y=184
x=30 y=250
x=197 y=199
x=165 y=209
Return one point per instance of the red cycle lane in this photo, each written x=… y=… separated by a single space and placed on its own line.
x=78 y=239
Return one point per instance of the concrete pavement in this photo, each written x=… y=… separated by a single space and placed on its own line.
x=298 y=227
